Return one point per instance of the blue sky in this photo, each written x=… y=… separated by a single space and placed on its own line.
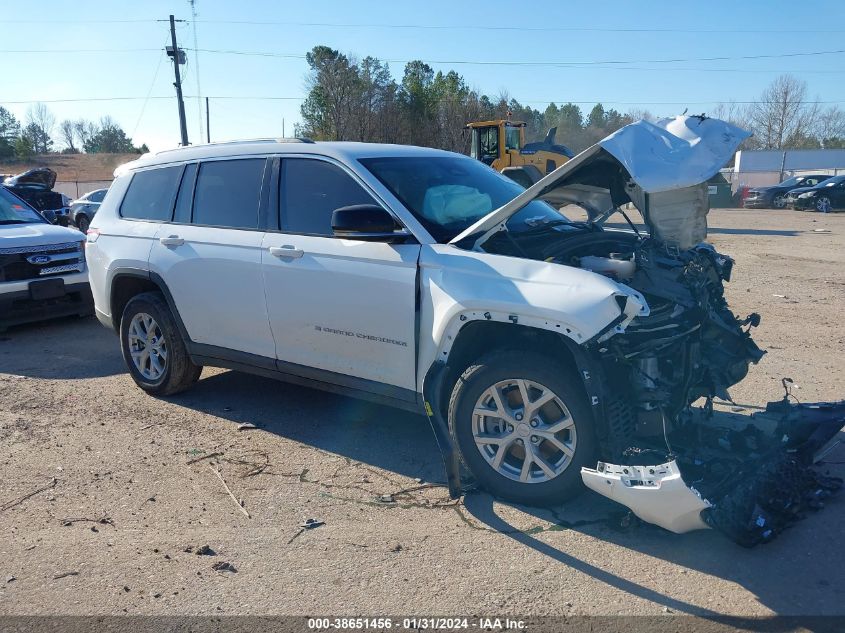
x=641 y=34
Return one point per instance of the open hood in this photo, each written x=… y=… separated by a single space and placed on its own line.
x=662 y=168
x=40 y=176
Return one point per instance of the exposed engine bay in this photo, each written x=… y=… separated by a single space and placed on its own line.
x=674 y=464
x=689 y=346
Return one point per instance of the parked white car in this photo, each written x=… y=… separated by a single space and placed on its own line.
x=425 y=280
x=42 y=266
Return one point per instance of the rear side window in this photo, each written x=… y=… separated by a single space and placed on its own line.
x=97 y=196
x=227 y=193
x=151 y=193
x=311 y=190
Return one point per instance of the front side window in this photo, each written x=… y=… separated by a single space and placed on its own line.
x=488 y=139
x=227 y=193
x=449 y=194
x=97 y=196
x=151 y=193
x=310 y=190
x=16 y=211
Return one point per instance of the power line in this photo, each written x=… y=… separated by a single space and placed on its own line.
x=135 y=21
x=477 y=27
x=284 y=98
x=149 y=92
x=72 y=100
x=79 y=50
x=440 y=27
x=457 y=62
x=608 y=62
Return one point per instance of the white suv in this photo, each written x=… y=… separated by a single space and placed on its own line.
x=425 y=280
x=42 y=267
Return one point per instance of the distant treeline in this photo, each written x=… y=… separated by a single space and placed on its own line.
x=359 y=100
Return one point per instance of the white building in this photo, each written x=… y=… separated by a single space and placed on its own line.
x=759 y=168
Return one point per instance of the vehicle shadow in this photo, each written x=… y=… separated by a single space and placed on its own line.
x=791 y=575
x=391 y=439
x=69 y=348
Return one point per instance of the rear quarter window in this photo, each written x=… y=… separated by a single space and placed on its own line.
x=151 y=194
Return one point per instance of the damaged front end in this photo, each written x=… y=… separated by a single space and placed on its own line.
x=674 y=465
x=749 y=480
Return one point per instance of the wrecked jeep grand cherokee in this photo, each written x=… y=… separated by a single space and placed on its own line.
x=536 y=345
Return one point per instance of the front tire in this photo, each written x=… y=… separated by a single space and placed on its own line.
x=153 y=348
x=779 y=201
x=823 y=205
x=82 y=223
x=523 y=427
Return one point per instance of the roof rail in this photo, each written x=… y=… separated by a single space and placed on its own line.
x=239 y=142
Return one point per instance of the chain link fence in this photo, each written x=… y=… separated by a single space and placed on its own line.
x=77 y=188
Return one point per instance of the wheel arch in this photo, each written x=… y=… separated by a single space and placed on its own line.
x=130 y=282
x=478 y=337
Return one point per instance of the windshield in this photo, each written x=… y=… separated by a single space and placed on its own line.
x=13 y=210
x=830 y=182
x=448 y=194
x=791 y=182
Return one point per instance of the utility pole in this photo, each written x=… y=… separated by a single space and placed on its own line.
x=196 y=62
x=178 y=58
x=207 y=122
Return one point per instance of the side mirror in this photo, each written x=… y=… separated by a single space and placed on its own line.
x=365 y=222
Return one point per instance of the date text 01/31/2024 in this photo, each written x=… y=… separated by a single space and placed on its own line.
x=416 y=623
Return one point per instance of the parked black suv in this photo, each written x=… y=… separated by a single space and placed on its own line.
x=775 y=197
x=35 y=186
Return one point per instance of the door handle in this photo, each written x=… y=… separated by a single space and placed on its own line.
x=172 y=240
x=286 y=251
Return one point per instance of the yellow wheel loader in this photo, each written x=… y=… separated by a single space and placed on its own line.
x=501 y=144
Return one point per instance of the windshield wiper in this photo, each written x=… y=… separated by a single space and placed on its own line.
x=17 y=222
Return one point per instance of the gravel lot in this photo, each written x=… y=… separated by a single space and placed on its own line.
x=130 y=482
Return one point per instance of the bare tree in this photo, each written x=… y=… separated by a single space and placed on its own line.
x=782 y=117
x=830 y=127
x=39 y=126
x=85 y=130
x=67 y=132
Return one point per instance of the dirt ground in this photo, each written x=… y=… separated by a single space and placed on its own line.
x=128 y=483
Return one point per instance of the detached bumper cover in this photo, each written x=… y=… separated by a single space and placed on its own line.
x=773 y=488
x=656 y=494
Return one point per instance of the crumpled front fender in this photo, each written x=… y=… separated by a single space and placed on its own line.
x=458 y=286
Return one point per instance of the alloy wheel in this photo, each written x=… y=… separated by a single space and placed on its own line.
x=779 y=202
x=524 y=431
x=147 y=346
x=823 y=204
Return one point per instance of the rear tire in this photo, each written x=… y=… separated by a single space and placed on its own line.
x=153 y=348
x=556 y=438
